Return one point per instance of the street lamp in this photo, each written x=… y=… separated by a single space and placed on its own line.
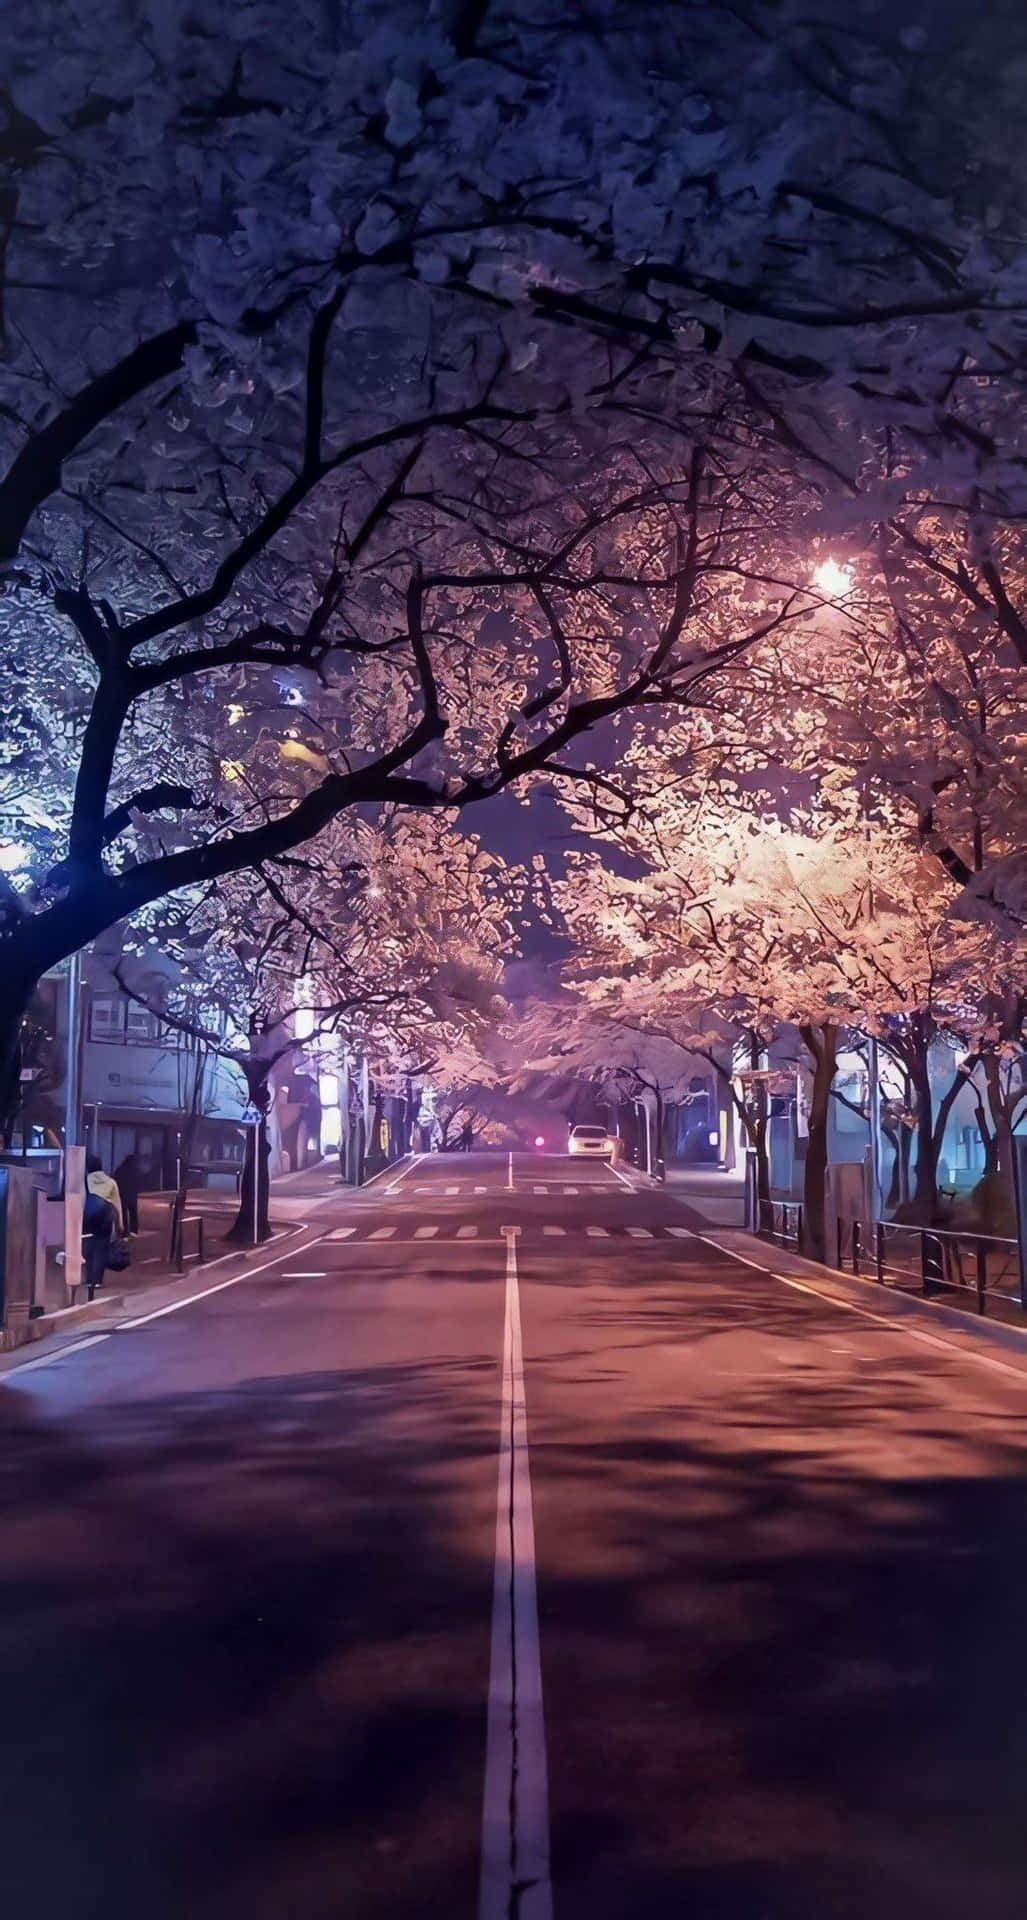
x=833 y=580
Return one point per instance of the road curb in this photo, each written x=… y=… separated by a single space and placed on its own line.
x=851 y=1288
x=64 y=1317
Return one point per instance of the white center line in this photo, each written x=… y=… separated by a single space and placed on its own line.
x=319 y=1275
x=515 y=1813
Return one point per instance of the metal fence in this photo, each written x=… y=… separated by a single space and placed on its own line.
x=780 y=1221
x=934 y=1260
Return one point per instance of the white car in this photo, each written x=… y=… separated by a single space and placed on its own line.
x=590 y=1140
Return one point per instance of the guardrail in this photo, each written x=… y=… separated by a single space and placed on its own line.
x=939 y=1260
x=780 y=1221
x=180 y=1221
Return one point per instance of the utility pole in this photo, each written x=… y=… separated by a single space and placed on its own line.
x=73 y=1071
x=875 y=1130
x=74 y=1152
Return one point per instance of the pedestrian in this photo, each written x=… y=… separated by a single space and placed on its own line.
x=466 y=1136
x=128 y=1179
x=101 y=1218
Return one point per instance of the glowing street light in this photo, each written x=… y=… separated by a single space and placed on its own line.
x=833 y=580
x=15 y=856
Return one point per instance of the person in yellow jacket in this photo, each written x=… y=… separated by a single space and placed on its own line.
x=102 y=1218
x=104 y=1188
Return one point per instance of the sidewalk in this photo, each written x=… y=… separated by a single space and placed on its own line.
x=717 y=1197
x=154 y=1279
x=947 y=1326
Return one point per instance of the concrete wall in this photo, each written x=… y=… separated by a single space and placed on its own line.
x=18 y=1201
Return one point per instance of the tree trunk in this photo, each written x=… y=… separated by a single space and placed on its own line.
x=255 y=1165
x=240 y=1233
x=821 y=1044
x=925 y=1192
x=1001 y=1119
x=660 y=1168
x=989 y=1137
x=14 y=1003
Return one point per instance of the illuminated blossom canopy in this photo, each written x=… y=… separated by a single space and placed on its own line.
x=389 y=423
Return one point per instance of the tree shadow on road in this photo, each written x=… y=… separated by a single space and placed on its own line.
x=244 y=1648
x=782 y=1618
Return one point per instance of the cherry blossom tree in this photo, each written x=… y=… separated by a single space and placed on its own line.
x=807 y=923
x=386 y=939
x=377 y=421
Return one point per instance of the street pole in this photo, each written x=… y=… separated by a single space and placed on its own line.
x=875 y=1131
x=73 y=1072
x=74 y=1153
x=257 y=1142
x=1019 y=1173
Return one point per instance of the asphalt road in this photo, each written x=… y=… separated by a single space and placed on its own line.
x=253 y=1646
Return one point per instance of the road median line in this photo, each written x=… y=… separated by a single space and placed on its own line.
x=515 y=1875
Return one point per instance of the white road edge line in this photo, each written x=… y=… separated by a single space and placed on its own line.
x=899 y=1325
x=394 y=1188
x=126 y=1326
x=515 y=1810
x=47 y=1359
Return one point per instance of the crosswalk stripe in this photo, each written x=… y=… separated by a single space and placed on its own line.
x=571 y=1190
x=450 y=1189
x=681 y=1233
x=425 y=1233
x=639 y=1233
x=540 y=1189
x=341 y=1233
x=382 y=1233
x=554 y=1230
x=598 y=1233
x=481 y=1189
x=467 y=1233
